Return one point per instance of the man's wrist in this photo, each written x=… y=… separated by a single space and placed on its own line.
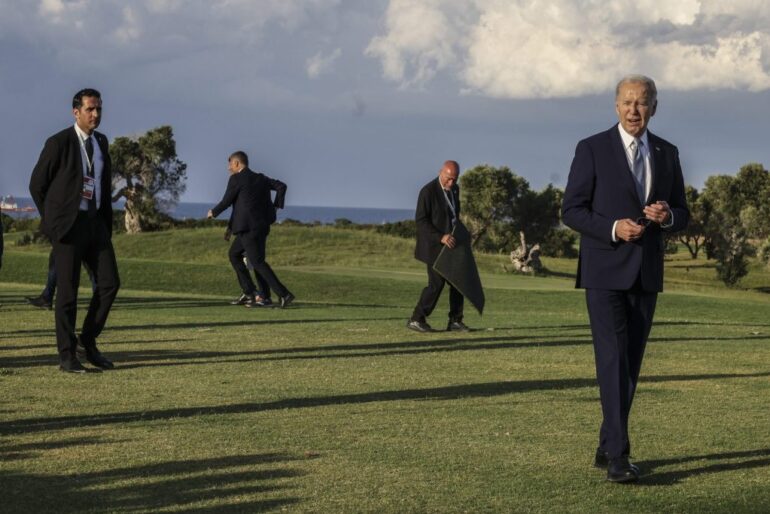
x=670 y=222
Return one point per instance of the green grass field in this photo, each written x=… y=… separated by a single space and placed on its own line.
x=334 y=406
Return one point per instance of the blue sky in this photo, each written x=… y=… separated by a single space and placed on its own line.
x=358 y=103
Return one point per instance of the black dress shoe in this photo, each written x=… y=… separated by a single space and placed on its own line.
x=601 y=461
x=418 y=326
x=92 y=355
x=620 y=470
x=72 y=366
x=286 y=300
x=39 y=301
x=457 y=326
x=242 y=300
x=96 y=358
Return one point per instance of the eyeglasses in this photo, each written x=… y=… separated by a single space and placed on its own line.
x=643 y=221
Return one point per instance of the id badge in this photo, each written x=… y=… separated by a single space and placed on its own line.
x=89 y=186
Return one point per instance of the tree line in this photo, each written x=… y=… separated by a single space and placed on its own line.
x=729 y=217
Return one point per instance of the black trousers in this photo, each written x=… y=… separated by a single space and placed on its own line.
x=253 y=244
x=87 y=242
x=620 y=325
x=236 y=254
x=430 y=295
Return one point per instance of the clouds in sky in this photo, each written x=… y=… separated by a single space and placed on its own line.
x=320 y=64
x=568 y=48
x=325 y=92
x=495 y=48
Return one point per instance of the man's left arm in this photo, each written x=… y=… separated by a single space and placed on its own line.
x=280 y=192
x=672 y=214
x=678 y=201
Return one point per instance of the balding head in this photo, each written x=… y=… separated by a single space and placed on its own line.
x=448 y=174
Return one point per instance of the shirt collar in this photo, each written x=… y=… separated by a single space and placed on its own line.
x=82 y=135
x=628 y=138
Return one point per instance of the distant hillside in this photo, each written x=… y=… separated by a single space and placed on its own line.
x=304 y=248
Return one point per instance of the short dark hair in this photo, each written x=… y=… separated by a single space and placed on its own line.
x=77 y=100
x=240 y=156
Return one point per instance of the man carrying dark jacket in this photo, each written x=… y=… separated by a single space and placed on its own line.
x=438 y=210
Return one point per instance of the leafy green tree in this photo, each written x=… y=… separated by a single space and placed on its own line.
x=498 y=205
x=148 y=174
x=489 y=196
x=731 y=250
x=694 y=236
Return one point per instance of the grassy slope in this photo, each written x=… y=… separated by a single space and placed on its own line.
x=334 y=406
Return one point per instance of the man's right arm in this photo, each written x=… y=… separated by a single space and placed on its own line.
x=577 y=211
x=43 y=174
x=229 y=197
x=422 y=217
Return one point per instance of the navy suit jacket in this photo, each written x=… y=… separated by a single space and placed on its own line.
x=434 y=219
x=601 y=190
x=57 y=182
x=253 y=207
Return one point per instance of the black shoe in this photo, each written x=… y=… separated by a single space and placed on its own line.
x=39 y=301
x=286 y=300
x=601 y=461
x=457 y=326
x=80 y=350
x=93 y=355
x=418 y=326
x=620 y=470
x=96 y=358
x=242 y=300
x=72 y=366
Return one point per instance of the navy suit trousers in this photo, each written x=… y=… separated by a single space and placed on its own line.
x=620 y=325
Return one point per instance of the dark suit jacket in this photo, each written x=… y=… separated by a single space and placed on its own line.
x=248 y=193
x=57 y=182
x=601 y=190
x=434 y=219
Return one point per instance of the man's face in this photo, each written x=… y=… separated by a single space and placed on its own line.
x=448 y=176
x=233 y=166
x=89 y=115
x=634 y=107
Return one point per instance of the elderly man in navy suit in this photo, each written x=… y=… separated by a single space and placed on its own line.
x=625 y=190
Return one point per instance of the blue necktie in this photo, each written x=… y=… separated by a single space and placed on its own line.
x=638 y=168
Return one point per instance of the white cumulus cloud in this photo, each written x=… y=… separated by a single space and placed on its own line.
x=320 y=63
x=563 y=48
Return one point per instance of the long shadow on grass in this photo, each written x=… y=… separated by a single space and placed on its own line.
x=102 y=345
x=199 y=326
x=124 y=303
x=144 y=358
x=750 y=459
x=181 y=485
x=481 y=390
x=12 y=452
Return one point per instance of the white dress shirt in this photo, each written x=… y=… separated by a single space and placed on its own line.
x=644 y=148
x=98 y=165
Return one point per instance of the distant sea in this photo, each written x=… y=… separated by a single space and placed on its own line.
x=303 y=213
